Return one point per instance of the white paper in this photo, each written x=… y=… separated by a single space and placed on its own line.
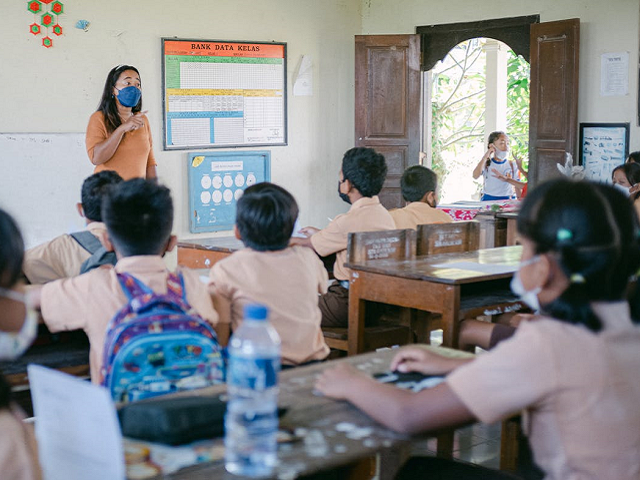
x=480 y=267
x=303 y=85
x=614 y=74
x=296 y=230
x=77 y=428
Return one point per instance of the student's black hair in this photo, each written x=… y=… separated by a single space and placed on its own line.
x=265 y=216
x=108 y=105
x=592 y=231
x=366 y=169
x=416 y=182
x=493 y=136
x=634 y=157
x=631 y=171
x=93 y=188
x=11 y=251
x=138 y=214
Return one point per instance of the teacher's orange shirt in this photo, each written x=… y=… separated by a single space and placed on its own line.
x=134 y=153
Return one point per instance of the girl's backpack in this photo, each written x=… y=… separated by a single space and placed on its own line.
x=157 y=344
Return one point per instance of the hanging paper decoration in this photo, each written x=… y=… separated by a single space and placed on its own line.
x=48 y=19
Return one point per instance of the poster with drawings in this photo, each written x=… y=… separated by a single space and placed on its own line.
x=217 y=181
x=603 y=146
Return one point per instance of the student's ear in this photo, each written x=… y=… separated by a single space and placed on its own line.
x=106 y=243
x=429 y=198
x=171 y=244
x=80 y=209
x=236 y=232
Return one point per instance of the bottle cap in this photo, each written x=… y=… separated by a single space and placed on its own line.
x=255 y=311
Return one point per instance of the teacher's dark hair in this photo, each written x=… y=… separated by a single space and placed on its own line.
x=108 y=105
x=592 y=231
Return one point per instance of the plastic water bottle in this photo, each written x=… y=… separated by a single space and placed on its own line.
x=251 y=421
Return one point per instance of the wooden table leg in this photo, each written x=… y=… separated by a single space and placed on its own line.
x=450 y=314
x=357 y=310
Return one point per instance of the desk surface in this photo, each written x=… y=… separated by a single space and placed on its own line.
x=334 y=433
x=217 y=244
x=450 y=268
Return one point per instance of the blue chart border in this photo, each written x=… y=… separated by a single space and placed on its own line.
x=257 y=162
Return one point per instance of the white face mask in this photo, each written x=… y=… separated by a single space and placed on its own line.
x=530 y=297
x=501 y=154
x=13 y=344
x=622 y=188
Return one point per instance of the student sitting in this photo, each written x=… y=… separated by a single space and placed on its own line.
x=18 y=328
x=419 y=186
x=361 y=178
x=63 y=256
x=138 y=215
x=285 y=279
x=574 y=369
x=626 y=178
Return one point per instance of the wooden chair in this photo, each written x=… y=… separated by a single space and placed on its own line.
x=455 y=237
x=363 y=247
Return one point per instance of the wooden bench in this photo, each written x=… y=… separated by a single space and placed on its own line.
x=361 y=248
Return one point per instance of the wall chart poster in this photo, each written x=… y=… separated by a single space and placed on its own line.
x=217 y=180
x=223 y=94
x=603 y=146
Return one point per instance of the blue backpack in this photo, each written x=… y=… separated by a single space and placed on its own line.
x=157 y=344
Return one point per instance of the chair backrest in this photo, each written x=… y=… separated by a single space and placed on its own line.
x=384 y=244
x=452 y=237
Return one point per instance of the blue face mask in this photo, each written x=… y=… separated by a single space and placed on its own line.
x=129 y=96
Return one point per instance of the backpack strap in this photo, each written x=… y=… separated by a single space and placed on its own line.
x=132 y=287
x=175 y=284
x=87 y=240
x=99 y=257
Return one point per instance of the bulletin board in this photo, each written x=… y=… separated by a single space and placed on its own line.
x=223 y=94
x=217 y=180
x=603 y=146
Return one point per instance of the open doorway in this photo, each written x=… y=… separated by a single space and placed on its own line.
x=481 y=85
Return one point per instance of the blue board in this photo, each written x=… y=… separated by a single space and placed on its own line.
x=216 y=182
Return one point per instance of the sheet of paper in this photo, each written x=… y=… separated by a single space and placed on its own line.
x=296 y=230
x=614 y=74
x=480 y=267
x=303 y=85
x=76 y=427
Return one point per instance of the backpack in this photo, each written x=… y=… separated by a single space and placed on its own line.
x=157 y=344
x=99 y=254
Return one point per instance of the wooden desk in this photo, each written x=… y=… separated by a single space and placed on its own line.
x=435 y=284
x=512 y=230
x=323 y=446
x=204 y=252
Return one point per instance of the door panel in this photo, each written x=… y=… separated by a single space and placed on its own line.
x=387 y=101
x=553 y=112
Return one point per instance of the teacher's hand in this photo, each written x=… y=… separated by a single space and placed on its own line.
x=135 y=121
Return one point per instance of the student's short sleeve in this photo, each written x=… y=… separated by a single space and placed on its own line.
x=151 y=160
x=515 y=375
x=96 y=132
x=66 y=303
x=198 y=295
x=218 y=284
x=321 y=273
x=331 y=239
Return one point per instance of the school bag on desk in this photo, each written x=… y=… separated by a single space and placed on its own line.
x=157 y=344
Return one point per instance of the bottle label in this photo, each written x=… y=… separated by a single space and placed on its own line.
x=253 y=373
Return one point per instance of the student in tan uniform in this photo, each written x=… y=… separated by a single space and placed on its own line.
x=139 y=215
x=18 y=327
x=286 y=279
x=63 y=256
x=360 y=180
x=419 y=186
x=573 y=369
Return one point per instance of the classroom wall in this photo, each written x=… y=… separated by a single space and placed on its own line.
x=610 y=26
x=57 y=89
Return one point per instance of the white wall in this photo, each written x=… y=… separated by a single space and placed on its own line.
x=610 y=26
x=57 y=89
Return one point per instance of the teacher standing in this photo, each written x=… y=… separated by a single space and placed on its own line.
x=118 y=134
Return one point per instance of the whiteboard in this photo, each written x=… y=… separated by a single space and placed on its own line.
x=41 y=175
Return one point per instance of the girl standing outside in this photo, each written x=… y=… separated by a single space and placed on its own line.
x=118 y=134
x=494 y=166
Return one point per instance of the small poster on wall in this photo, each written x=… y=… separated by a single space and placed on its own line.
x=603 y=146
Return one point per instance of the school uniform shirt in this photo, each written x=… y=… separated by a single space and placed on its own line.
x=496 y=187
x=61 y=257
x=418 y=213
x=90 y=301
x=286 y=281
x=134 y=153
x=580 y=390
x=18 y=450
x=365 y=215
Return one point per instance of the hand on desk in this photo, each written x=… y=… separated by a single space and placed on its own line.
x=338 y=381
x=422 y=360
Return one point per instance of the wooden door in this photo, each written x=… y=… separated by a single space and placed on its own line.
x=553 y=114
x=387 y=104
